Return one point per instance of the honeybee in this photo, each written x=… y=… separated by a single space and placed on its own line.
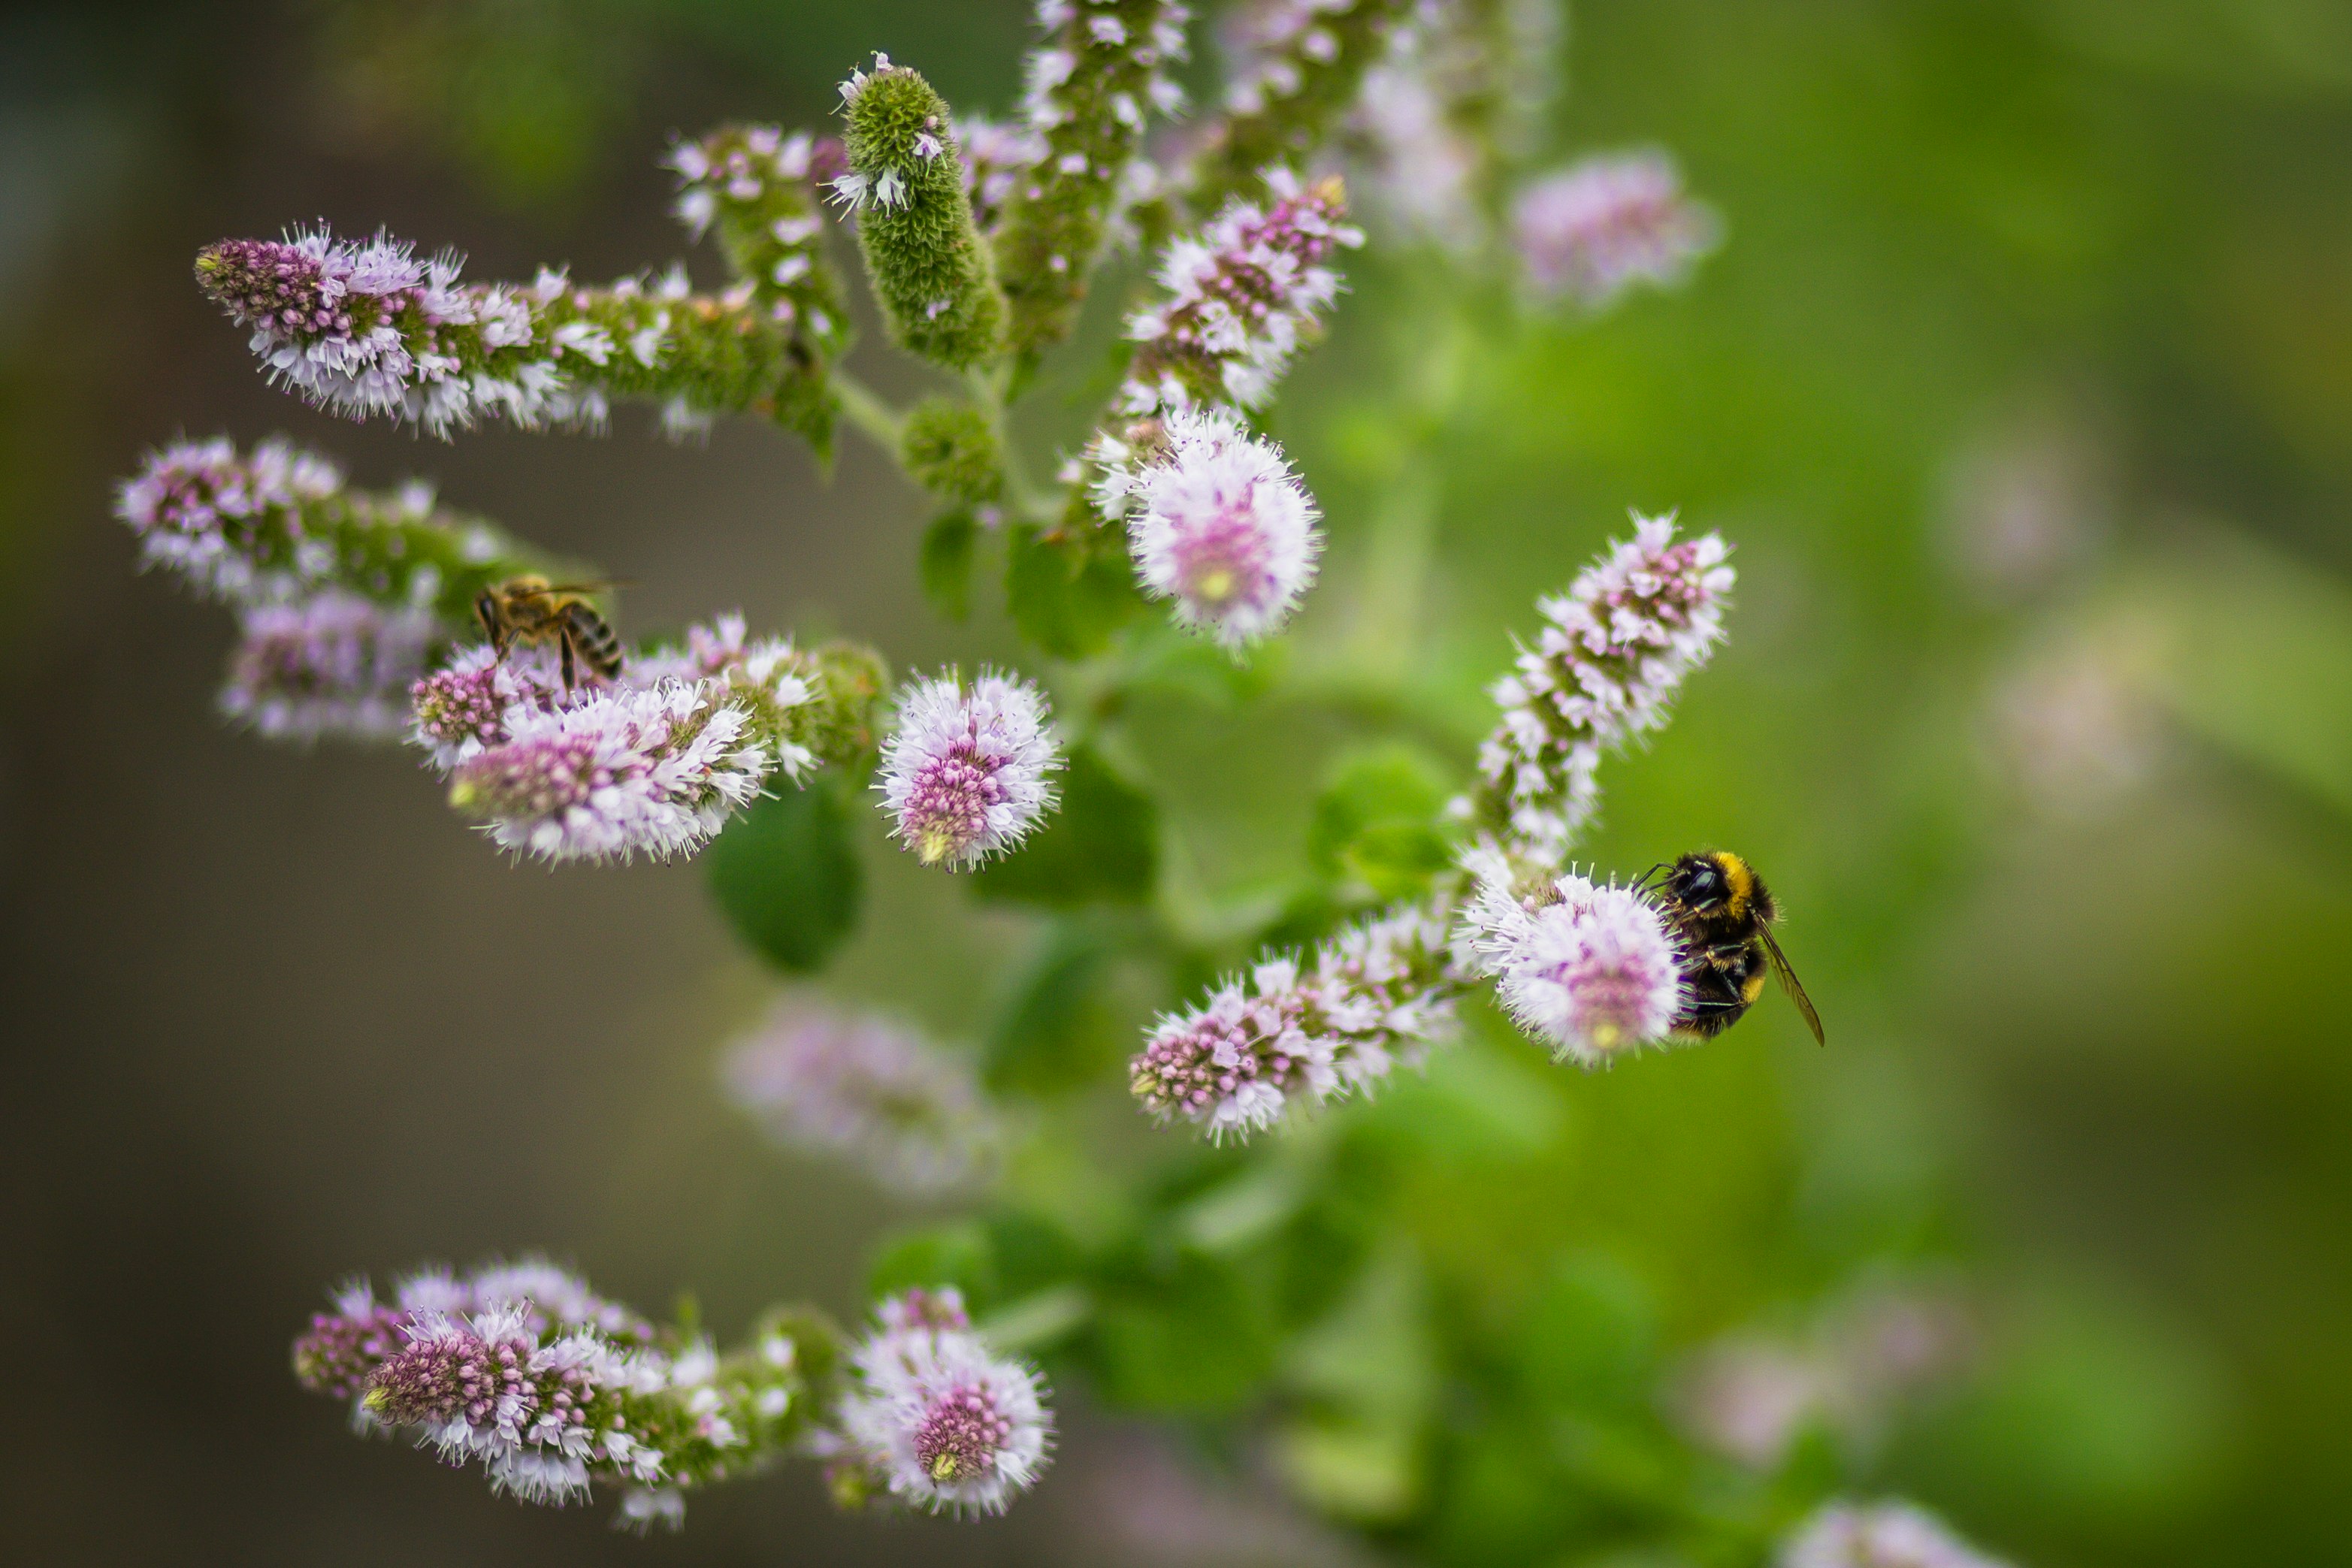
x=533 y=610
x=1723 y=914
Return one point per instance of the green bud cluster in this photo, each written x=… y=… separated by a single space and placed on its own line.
x=750 y=187
x=951 y=449
x=930 y=268
x=1107 y=55
x=1300 y=93
x=851 y=682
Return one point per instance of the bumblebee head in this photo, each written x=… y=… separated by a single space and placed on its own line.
x=1719 y=882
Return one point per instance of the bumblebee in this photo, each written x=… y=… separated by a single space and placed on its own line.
x=1722 y=914
x=533 y=610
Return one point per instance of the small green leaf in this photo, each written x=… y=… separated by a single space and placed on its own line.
x=1101 y=847
x=1068 y=595
x=1051 y=1034
x=788 y=876
x=947 y=563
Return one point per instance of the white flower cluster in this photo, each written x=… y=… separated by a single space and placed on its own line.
x=195 y=506
x=906 y=1110
x=1378 y=995
x=966 y=774
x=1615 y=650
x=1752 y=1393
x=523 y=1369
x=746 y=169
x=654 y=764
x=1590 y=971
x=1592 y=230
x=275 y=534
x=333 y=664
x=367 y=329
x=1243 y=294
x=935 y=1417
x=1216 y=519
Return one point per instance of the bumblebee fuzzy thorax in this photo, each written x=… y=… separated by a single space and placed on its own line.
x=1722 y=914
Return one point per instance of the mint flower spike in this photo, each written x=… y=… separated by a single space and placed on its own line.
x=1092 y=88
x=369 y=331
x=934 y=1417
x=1614 y=650
x=751 y=188
x=1243 y=294
x=924 y=256
x=1289 y=1036
x=334 y=663
x=1592 y=230
x=656 y=763
x=553 y=1391
x=344 y=597
x=277 y=524
x=859 y=1086
x=1308 y=59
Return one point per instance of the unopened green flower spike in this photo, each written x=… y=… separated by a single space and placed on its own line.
x=950 y=449
x=929 y=266
x=1093 y=87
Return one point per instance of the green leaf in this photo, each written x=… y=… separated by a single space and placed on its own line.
x=1101 y=847
x=1068 y=595
x=788 y=876
x=1376 y=821
x=947 y=563
x=1198 y=1338
x=1051 y=1033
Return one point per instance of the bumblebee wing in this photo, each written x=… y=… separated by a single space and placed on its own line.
x=1790 y=984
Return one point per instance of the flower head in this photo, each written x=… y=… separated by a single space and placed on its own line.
x=334 y=663
x=654 y=770
x=1222 y=525
x=909 y=1112
x=1615 y=649
x=324 y=311
x=1879 y=1536
x=1594 y=973
x=967 y=774
x=1243 y=294
x=1592 y=230
x=947 y=1426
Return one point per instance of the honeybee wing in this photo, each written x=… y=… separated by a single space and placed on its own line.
x=599 y=585
x=1789 y=983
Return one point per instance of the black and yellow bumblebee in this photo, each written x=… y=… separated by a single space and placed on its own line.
x=1720 y=912
x=533 y=610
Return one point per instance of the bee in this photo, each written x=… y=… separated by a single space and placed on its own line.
x=1723 y=914
x=533 y=610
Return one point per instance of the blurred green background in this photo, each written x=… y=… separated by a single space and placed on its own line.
x=2023 y=383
